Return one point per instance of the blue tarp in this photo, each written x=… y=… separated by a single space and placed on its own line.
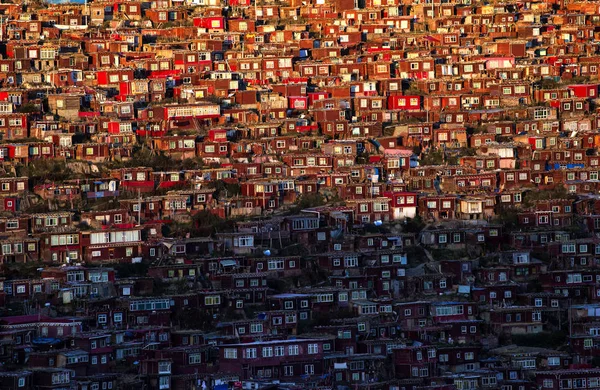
x=557 y=166
x=45 y=340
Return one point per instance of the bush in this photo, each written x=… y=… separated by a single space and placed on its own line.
x=307 y=201
x=413 y=225
x=552 y=340
x=192 y=318
x=28 y=108
x=205 y=223
x=41 y=171
x=432 y=158
x=127 y=270
x=144 y=157
x=192 y=163
x=222 y=188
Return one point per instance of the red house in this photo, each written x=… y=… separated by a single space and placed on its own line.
x=412 y=102
x=584 y=90
x=211 y=23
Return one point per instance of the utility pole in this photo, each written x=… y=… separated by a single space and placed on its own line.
x=139 y=208
x=570 y=322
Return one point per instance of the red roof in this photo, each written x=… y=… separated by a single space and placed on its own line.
x=25 y=319
x=169 y=184
x=431 y=39
x=87 y=114
x=143 y=183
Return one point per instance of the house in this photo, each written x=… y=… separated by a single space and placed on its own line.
x=285 y=355
x=437 y=207
x=564 y=378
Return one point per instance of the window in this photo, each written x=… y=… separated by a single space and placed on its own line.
x=548 y=384
x=541 y=113
x=246 y=241
x=554 y=361
x=230 y=353
x=293 y=350
x=309 y=369
x=415 y=371
x=212 y=300
x=449 y=310
x=164 y=382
